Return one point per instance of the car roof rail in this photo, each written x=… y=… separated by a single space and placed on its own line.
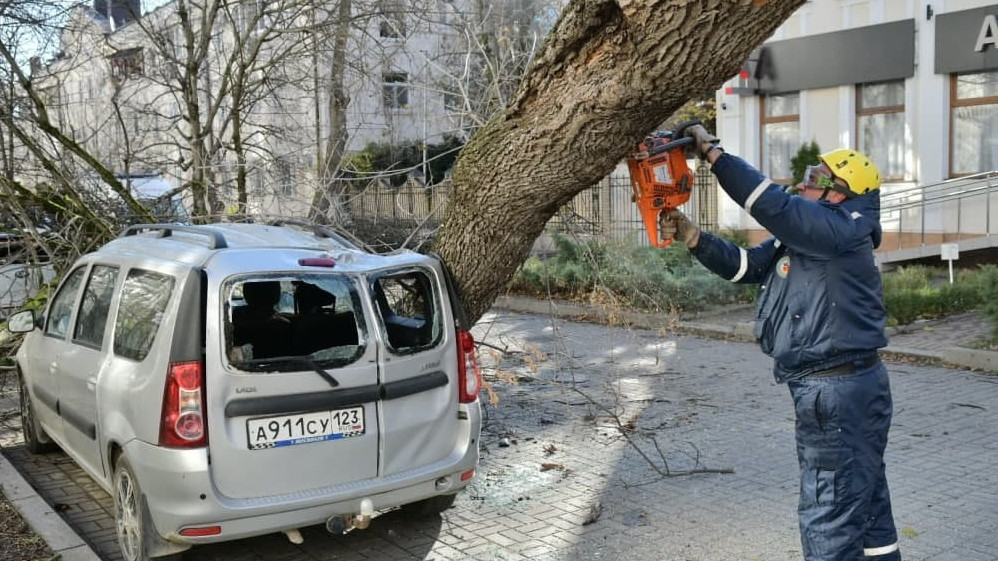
x=321 y=231
x=215 y=239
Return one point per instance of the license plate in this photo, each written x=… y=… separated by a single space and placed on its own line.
x=289 y=430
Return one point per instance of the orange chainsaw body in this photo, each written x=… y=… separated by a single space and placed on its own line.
x=661 y=180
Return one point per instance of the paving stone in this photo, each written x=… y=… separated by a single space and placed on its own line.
x=705 y=403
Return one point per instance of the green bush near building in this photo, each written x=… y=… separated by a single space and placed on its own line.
x=671 y=280
x=987 y=285
x=919 y=292
x=639 y=277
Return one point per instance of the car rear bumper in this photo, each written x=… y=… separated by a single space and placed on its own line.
x=180 y=493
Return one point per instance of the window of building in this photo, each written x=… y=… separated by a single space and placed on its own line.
x=392 y=25
x=880 y=126
x=780 y=126
x=126 y=63
x=395 y=90
x=974 y=117
x=283 y=174
x=453 y=102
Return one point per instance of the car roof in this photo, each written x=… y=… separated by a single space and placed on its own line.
x=196 y=245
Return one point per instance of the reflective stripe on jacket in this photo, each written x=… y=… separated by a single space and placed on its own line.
x=820 y=301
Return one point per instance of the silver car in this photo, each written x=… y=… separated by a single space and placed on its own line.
x=232 y=380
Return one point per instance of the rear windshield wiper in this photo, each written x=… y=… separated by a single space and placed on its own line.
x=289 y=360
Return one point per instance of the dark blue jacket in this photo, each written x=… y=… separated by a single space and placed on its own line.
x=820 y=301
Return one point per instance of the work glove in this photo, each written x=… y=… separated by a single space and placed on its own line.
x=674 y=225
x=702 y=140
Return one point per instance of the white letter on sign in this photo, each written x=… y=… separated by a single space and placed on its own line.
x=989 y=33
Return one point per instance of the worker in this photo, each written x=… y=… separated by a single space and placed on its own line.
x=820 y=315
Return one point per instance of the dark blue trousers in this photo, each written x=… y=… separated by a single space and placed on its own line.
x=845 y=505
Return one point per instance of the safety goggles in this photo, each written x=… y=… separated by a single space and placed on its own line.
x=815 y=177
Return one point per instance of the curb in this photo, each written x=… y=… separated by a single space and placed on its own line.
x=959 y=357
x=65 y=543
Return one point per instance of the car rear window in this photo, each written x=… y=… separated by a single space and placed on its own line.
x=409 y=310
x=293 y=323
x=144 y=296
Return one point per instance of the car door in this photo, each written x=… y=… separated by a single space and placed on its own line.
x=80 y=365
x=293 y=399
x=43 y=363
x=418 y=371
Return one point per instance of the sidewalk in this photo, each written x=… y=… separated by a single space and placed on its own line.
x=945 y=341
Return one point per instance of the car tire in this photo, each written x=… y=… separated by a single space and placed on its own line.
x=429 y=507
x=35 y=439
x=131 y=519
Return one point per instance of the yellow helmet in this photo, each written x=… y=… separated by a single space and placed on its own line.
x=858 y=171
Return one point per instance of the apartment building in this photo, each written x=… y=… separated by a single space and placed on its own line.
x=117 y=87
x=913 y=84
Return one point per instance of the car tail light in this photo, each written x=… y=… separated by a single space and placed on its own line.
x=469 y=378
x=183 y=423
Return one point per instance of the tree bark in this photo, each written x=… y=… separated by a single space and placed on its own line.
x=608 y=74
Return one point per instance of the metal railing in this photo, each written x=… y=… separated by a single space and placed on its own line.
x=951 y=210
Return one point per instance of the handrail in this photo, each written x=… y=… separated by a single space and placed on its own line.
x=903 y=205
x=928 y=197
x=943 y=184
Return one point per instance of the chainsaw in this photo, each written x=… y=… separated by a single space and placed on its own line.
x=660 y=177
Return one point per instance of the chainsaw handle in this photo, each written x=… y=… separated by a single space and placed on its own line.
x=686 y=140
x=651 y=228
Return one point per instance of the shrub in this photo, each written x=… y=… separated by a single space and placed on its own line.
x=640 y=277
x=395 y=160
x=915 y=292
x=987 y=286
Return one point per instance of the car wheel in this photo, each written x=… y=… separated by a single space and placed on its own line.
x=35 y=439
x=135 y=533
x=430 y=506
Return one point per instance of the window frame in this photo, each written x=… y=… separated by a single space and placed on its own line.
x=383 y=309
x=163 y=318
x=955 y=102
x=769 y=120
x=77 y=340
x=884 y=110
x=127 y=63
x=390 y=80
x=392 y=25
x=82 y=270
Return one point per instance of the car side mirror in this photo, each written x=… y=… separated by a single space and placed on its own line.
x=21 y=322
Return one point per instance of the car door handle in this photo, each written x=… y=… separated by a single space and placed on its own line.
x=92 y=384
x=53 y=367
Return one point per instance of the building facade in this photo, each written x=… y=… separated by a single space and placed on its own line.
x=913 y=84
x=117 y=87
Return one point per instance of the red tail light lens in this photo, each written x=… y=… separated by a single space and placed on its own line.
x=469 y=377
x=184 y=415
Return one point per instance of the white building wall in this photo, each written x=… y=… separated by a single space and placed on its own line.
x=828 y=115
